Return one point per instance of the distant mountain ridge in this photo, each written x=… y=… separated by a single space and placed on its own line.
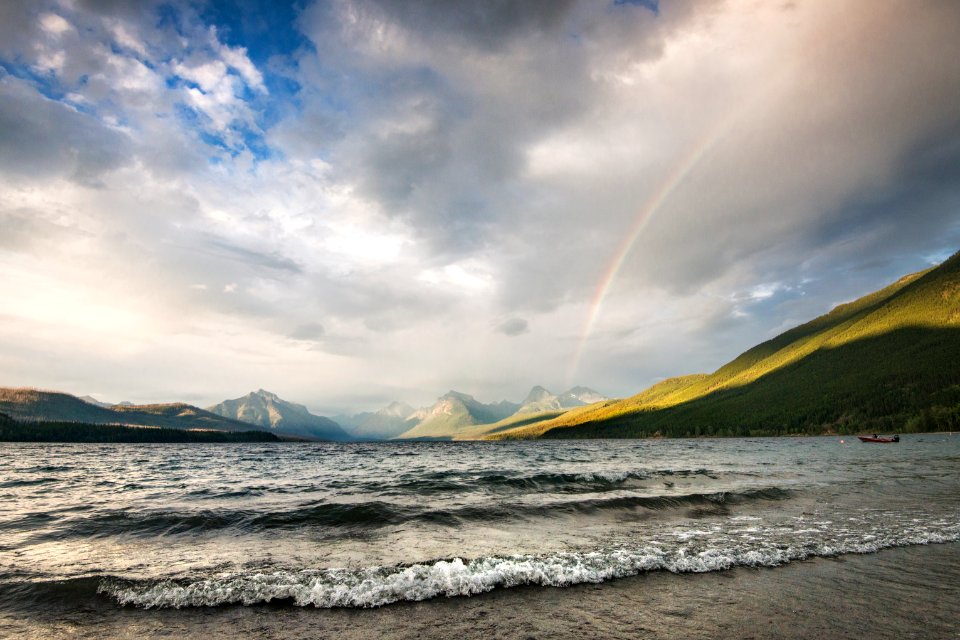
x=579 y=396
x=54 y=406
x=453 y=412
x=383 y=424
x=539 y=399
x=884 y=362
x=457 y=415
x=269 y=411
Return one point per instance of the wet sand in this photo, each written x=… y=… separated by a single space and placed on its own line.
x=910 y=592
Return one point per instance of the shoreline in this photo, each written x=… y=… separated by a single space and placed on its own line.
x=904 y=592
x=259 y=436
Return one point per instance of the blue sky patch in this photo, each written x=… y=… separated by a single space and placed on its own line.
x=47 y=84
x=652 y=5
x=264 y=28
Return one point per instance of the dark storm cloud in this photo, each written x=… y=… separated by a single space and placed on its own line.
x=921 y=202
x=437 y=134
x=872 y=161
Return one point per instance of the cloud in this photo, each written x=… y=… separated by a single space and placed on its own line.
x=309 y=331
x=27 y=231
x=40 y=137
x=488 y=26
x=250 y=257
x=461 y=92
x=426 y=177
x=236 y=58
x=54 y=24
x=514 y=327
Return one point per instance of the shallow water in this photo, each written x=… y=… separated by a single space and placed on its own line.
x=361 y=525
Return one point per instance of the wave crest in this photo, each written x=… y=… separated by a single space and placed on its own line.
x=378 y=586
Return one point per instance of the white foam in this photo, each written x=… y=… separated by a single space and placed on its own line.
x=607 y=476
x=376 y=586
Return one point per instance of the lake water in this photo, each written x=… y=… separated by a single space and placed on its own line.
x=86 y=530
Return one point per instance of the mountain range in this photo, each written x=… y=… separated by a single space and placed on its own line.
x=887 y=362
x=265 y=409
x=257 y=410
x=539 y=399
x=456 y=416
x=451 y=413
x=53 y=406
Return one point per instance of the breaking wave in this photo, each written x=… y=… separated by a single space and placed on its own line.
x=681 y=551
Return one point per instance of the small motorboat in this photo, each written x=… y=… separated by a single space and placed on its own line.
x=881 y=439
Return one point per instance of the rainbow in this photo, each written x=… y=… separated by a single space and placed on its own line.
x=674 y=178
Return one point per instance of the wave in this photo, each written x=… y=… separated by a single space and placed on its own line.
x=210 y=493
x=369 y=515
x=585 y=482
x=29 y=482
x=378 y=586
x=440 y=482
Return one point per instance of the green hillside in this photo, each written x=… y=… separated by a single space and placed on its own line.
x=885 y=362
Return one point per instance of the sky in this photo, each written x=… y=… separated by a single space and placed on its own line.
x=350 y=202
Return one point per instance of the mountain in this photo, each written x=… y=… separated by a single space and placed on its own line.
x=53 y=406
x=454 y=412
x=539 y=405
x=539 y=399
x=537 y=394
x=579 y=396
x=886 y=362
x=383 y=424
x=268 y=410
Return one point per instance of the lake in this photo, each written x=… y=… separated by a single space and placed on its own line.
x=127 y=540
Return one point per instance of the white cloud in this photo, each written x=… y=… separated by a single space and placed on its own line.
x=208 y=75
x=237 y=58
x=54 y=24
x=124 y=37
x=470 y=277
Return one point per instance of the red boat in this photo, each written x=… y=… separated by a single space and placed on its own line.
x=879 y=439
